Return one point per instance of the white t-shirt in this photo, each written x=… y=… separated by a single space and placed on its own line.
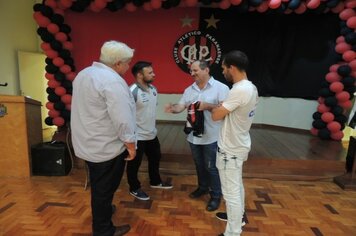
x=234 y=137
x=214 y=92
x=102 y=114
x=146 y=105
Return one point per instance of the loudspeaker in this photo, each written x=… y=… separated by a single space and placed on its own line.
x=50 y=159
x=350 y=157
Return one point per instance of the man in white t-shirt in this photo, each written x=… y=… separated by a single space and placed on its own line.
x=234 y=143
x=145 y=95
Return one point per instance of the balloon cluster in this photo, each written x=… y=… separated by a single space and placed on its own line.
x=60 y=67
x=335 y=95
x=339 y=86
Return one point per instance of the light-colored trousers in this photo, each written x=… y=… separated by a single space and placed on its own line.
x=230 y=171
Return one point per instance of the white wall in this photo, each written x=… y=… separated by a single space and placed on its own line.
x=18 y=32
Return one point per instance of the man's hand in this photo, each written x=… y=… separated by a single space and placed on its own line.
x=131 y=148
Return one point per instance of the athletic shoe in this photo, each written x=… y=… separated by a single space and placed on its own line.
x=162 y=185
x=223 y=216
x=139 y=194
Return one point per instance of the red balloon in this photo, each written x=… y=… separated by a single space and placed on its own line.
x=342 y=96
x=224 y=4
x=346 y=14
x=58 y=61
x=50 y=105
x=351 y=22
x=235 y=2
x=322 y=108
x=312 y=4
x=346 y=104
x=349 y=55
x=327 y=117
x=68 y=107
x=53 y=83
x=332 y=77
x=53 y=28
x=342 y=47
x=156 y=4
x=130 y=7
x=301 y=9
x=68 y=45
x=94 y=8
x=67 y=98
x=65 y=69
x=339 y=7
x=58 y=121
x=314 y=131
x=49 y=76
x=334 y=126
x=65 y=3
x=340 y=39
x=45 y=46
x=60 y=91
x=70 y=76
x=60 y=36
x=101 y=4
x=321 y=100
x=334 y=68
x=350 y=3
x=190 y=3
x=274 y=4
x=337 y=135
x=336 y=87
x=51 y=53
x=263 y=7
x=147 y=6
x=352 y=64
x=53 y=113
x=51 y=3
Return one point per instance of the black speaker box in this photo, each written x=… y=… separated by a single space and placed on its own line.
x=50 y=159
x=350 y=157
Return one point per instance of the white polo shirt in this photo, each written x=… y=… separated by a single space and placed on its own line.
x=146 y=105
x=102 y=114
x=234 y=136
x=214 y=92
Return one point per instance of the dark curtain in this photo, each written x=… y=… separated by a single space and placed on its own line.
x=289 y=54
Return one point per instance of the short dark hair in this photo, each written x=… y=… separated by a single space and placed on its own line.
x=236 y=58
x=203 y=64
x=139 y=66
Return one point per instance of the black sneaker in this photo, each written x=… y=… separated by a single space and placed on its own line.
x=198 y=193
x=139 y=194
x=223 y=216
x=162 y=185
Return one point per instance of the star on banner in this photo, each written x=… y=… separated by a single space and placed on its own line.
x=186 y=21
x=212 y=21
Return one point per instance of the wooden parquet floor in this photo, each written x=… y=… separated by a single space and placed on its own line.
x=61 y=206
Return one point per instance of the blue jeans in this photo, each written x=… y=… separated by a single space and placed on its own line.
x=208 y=176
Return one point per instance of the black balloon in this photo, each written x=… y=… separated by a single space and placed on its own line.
x=337 y=110
x=65 y=28
x=56 y=45
x=331 y=101
x=351 y=38
x=52 y=69
x=37 y=7
x=319 y=124
x=50 y=90
x=80 y=5
x=332 y=3
x=294 y=4
x=65 y=114
x=174 y=3
x=206 y=2
x=47 y=37
x=326 y=92
x=341 y=119
x=46 y=11
x=49 y=121
x=57 y=19
x=317 y=115
x=166 y=4
x=324 y=134
x=59 y=76
x=255 y=3
x=42 y=30
x=48 y=61
x=344 y=70
x=345 y=30
x=59 y=106
x=53 y=98
x=348 y=81
x=65 y=54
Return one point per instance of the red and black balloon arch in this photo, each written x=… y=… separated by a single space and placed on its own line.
x=336 y=92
